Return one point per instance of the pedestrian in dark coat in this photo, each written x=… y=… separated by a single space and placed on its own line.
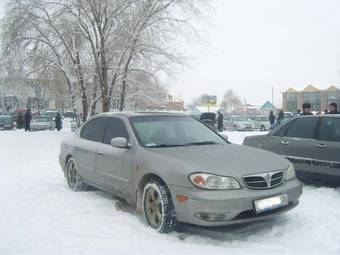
x=333 y=108
x=58 y=123
x=271 y=119
x=220 y=122
x=306 y=109
x=28 y=119
x=280 y=117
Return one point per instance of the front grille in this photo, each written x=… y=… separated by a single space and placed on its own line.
x=264 y=181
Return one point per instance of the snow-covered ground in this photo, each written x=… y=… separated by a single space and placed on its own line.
x=39 y=214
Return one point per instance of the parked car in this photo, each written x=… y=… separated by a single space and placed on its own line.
x=69 y=114
x=311 y=143
x=50 y=113
x=176 y=169
x=238 y=123
x=42 y=123
x=76 y=123
x=209 y=119
x=7 y=123
x=261 y=123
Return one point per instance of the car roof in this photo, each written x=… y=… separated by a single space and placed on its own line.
x=142 y=114
x=319 y=116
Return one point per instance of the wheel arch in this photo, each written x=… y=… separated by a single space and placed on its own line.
x=140 y=187
x=67 y=159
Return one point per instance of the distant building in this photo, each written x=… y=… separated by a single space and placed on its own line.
x=292 y=99
x=259 y=110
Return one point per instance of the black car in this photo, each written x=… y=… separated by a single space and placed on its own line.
x=209 y=119
x=7 y=123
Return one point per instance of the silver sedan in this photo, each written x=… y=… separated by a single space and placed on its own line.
x=176 y=169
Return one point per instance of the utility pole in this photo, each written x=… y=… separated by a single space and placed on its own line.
x=273 y=95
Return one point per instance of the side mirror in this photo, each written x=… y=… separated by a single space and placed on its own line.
x=120 y=142
x=225 y=137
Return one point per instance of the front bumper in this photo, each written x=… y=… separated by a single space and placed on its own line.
x=236 y=205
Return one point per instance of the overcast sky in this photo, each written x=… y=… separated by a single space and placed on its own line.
x=255 y=45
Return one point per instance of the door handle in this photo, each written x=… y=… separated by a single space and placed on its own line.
x=322 y=146
x=100 y=153
x=284 y=142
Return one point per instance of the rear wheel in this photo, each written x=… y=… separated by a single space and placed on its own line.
x=158 y=208
x=263 y=128
x=72 y=176
x=235 y=128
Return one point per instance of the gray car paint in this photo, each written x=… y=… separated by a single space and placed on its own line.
x=306 y=154
x=121 y=171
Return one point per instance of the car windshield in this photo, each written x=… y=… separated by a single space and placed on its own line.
x=240 y=119
x=261 y=119
x=41 y=119
x=51 y=113
x=172 y=131
x=5 y=119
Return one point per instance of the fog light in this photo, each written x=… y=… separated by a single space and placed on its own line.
x=210 y=216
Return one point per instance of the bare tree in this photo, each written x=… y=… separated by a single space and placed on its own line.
x=230 y=101
x=98 y=46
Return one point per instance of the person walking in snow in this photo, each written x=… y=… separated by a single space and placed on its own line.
x=58 y=122
x=280 y=117
x=28 y=119
x=271 y=119
x=220 y=122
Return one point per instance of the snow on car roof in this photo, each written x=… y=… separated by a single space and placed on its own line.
x=146 y=113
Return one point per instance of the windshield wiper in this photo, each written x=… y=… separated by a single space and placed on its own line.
x=164 y=145
x=201 y=143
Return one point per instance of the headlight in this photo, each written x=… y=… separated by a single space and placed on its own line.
x=290 y=173
x=209 y=181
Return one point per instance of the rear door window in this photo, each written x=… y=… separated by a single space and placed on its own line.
x=303 y=128
x=330 y=129
x=94 y=130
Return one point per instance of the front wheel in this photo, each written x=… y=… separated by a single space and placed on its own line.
x=72 y=176
x=263 y=128
x=158 y=208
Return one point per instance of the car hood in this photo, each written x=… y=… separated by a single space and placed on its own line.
x=244 y=122
x=228 y=160
x=40 y=124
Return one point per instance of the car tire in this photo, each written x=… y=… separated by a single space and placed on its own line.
x=72 y=176
x=235 y=128
x=263 y=128
x=158 y=208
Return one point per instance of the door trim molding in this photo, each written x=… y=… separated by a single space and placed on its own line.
x=314 y=162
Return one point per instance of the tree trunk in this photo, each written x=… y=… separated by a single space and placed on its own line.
x=85 y=107
x=122 y=95
x=94 y=99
